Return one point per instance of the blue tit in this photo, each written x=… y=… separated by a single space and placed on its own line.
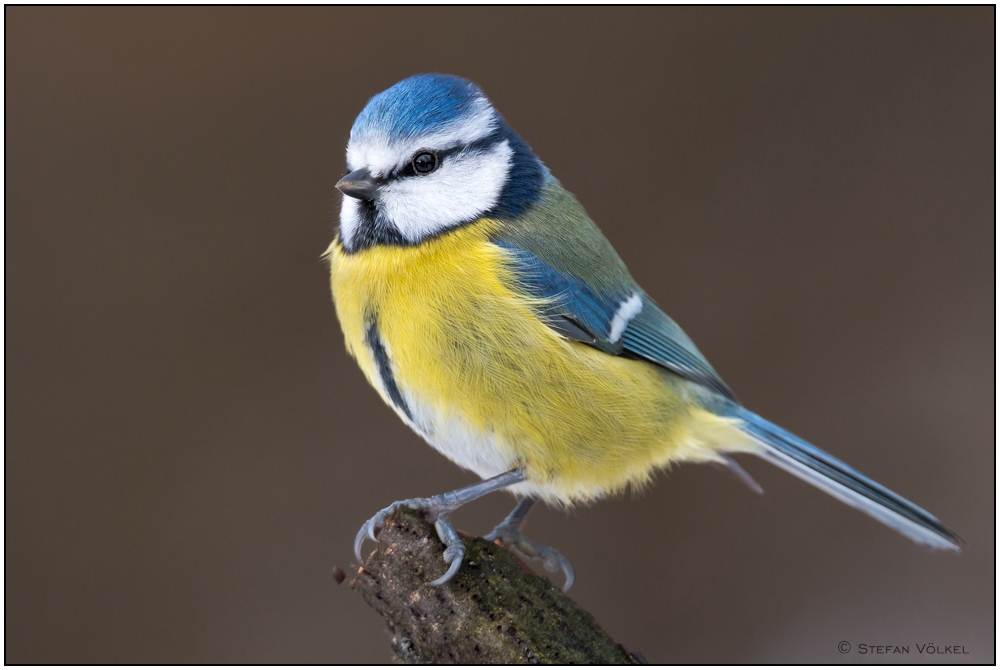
x=488 y=310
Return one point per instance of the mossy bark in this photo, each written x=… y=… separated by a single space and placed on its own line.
x=493 y=611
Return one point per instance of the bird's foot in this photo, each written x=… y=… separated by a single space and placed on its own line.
x=437 y=510
x=511 y=537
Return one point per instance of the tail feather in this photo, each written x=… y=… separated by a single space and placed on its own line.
x=795 y=455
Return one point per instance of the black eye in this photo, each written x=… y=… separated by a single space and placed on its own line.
x=425 y=162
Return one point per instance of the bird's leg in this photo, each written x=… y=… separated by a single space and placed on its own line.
x=509 y=533
x=437 y=509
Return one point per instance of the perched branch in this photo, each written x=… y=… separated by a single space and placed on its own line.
x=493 y=611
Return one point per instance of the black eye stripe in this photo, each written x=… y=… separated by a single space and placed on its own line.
x=480 y=144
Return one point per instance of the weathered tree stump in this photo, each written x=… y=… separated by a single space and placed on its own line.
x=493 y=611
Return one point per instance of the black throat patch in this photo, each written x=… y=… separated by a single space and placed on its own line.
x=373 y=229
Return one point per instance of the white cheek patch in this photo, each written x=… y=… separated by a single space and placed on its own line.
x=464 y=187
x=349 y=220
x=626 y=312
x=376 y=152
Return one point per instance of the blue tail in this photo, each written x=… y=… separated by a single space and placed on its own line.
x=843 y=482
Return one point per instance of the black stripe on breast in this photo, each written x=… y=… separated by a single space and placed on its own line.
x=374 y=343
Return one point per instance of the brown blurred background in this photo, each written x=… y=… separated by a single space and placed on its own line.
x=189 y=449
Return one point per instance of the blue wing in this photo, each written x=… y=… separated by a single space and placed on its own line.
x=607 y=319
x=653 y=336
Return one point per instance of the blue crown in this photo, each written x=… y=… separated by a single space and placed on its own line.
x=417 y=105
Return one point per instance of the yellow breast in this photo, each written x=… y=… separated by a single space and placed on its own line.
x=466 y=349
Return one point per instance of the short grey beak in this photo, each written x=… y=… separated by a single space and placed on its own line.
x=359 y=184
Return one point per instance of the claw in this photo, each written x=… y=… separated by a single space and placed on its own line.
x=454 y=550
x=446 y=577
x=551 y=559
x=567 y=569
x=369 y=527
x=359 y=539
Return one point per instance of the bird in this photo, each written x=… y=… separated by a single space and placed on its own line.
x=491 y=314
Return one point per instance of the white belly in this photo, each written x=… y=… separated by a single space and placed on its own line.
x=482 y=452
